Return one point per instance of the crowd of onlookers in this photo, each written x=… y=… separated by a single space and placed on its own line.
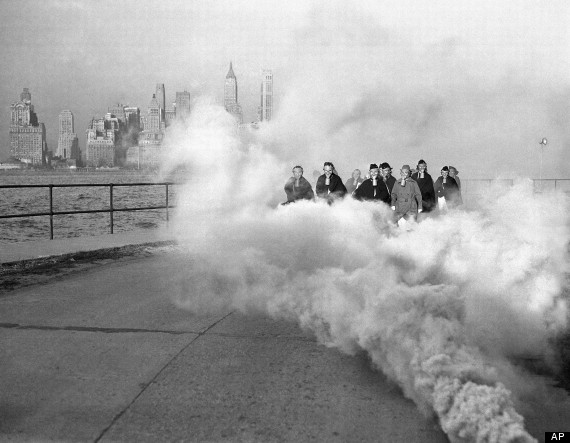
x=413 y=193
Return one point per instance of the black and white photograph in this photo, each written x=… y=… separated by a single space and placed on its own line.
x=268 y=221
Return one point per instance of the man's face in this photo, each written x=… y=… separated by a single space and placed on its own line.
x=422 y=167
x=444 y=173
x=452 y=172
x=297 y=173
x=328 y=170
x=374 y=173
x=404 y=173
x=386 y=172
x=356 y=175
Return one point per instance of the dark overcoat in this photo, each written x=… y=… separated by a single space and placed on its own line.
x=366 y=191
x=449 y=190
x=334 y=190
x=302 y=192
x=427 y=190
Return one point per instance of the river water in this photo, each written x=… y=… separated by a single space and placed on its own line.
x=34 y=200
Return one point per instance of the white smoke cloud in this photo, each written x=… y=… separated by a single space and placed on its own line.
x=362 y=92
x=448 y=309
x=444 y=309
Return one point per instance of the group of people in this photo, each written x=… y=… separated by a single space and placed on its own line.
x=413 y=193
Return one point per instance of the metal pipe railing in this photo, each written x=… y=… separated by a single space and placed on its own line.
x=111 y=210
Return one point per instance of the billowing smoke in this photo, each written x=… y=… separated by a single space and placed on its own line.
x=443 y=309
x=447 y=309
x=357 y=90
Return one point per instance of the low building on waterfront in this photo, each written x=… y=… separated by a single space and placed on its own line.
x=148 y=154
x=12 y=164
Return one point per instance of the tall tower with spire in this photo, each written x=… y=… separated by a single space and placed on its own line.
x=231 y=95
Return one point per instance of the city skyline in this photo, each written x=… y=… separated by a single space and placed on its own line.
x=158 y=116
x=478 y=84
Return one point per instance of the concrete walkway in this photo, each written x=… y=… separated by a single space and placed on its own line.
x=30 y=250
x=106 y=355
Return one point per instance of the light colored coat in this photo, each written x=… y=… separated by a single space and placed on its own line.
x=407 y=199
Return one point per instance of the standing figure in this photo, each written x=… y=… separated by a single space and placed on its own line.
x=446 y=190
x=297 y=187
x=406 y=198
x=373 y=188
x=453 y=173
x=354 y=182
x=425 y=183
x=386 y=172
x=329 y=185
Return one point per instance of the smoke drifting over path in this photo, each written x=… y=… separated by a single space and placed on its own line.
x=444 y=309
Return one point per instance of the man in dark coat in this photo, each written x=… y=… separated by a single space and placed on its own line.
x=386 y=172
x=374 y=188
x=425 y=182
x=446 y=190
x=297 y=187
x=329 y=185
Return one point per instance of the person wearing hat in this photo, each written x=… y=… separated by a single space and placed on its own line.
x=406 y=197
x=297 y=187
x=446 y=190
x=425 y=183
x=329 y=185
x=373 y=188
x=386 y=172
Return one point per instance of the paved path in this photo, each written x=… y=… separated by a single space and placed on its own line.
x=17 y=251
x=104 y=355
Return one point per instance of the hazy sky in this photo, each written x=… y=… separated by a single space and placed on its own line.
x=475 y=83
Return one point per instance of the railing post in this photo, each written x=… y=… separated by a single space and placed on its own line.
x=111 y=206
x=51 y=212
x=167 y=202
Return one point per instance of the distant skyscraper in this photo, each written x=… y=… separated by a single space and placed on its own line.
x=266 y=96
x=161 y=98
x=230 y=88
x=182 y=104
x=154 y=117
x=67 y=143
x=133 y=117
x=170 y=115
x=133 y=121
x=102 y=137
x=27 y=136
x=118 y=111
x=25 y=96
x=148 y=151
x=231 y=96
